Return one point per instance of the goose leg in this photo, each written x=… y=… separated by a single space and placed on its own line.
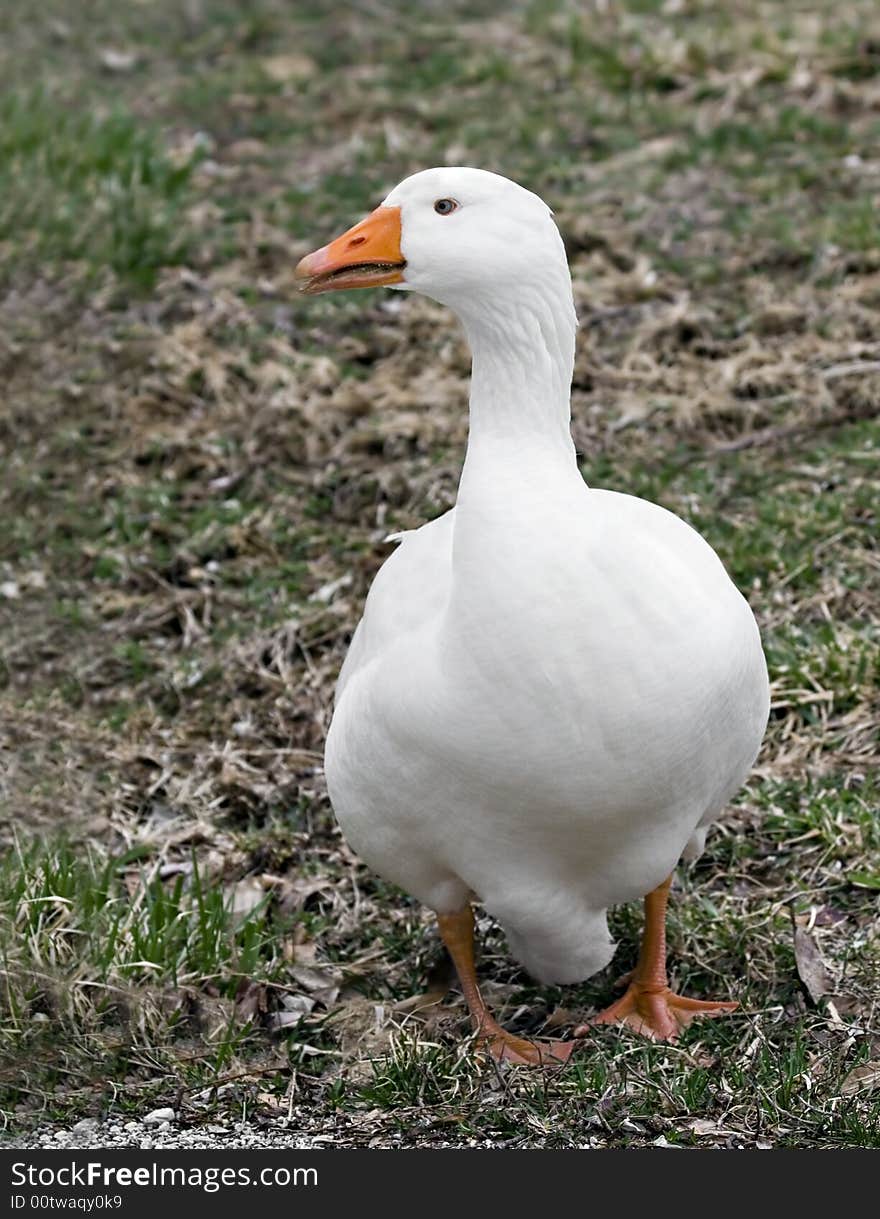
x=457 y=932
x=648 y=1006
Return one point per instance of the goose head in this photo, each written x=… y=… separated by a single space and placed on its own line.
x=465 y=237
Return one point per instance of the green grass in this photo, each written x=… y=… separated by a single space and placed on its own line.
x=647 y=1095
x=98 y=190
x=199 y=470
x=77 y=912
x=106 y=955
x=100 y=951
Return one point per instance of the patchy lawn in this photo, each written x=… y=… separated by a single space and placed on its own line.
x=199 y=470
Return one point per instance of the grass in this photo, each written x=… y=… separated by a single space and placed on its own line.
x=199 y=470
x=74 y=909
x=95 y=190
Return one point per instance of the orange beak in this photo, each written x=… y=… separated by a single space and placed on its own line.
x=366 y=256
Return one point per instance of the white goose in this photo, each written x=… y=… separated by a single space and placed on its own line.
x=554 y=689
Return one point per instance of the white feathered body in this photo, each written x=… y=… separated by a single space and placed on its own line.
x=552 y=693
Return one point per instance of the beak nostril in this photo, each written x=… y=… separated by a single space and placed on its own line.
x=367 y=255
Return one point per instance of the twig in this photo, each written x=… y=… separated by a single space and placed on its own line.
x=771 y=435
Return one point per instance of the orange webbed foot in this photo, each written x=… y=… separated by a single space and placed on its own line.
x=655 y=1012
x=504 y=1047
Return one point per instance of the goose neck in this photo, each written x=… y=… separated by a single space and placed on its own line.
x=520 y=401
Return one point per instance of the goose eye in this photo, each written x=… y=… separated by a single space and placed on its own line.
x=443 y=207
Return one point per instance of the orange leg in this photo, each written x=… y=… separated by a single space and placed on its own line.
x=648 y=1005
x=457 y=931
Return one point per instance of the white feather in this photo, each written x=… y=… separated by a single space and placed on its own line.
x=553 y=690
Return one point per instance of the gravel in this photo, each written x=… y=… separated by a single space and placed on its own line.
x=157 y=1132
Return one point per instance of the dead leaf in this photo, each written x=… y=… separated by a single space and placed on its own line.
x=298 y=1003
x=319 y=978
x=703 y=1126
x=285 y=1020
x=812 y=970
x=244 y=896
x=850 y=1005
x=252 y=999
x=862 y=1079
x=294 y=892
x=323 y=983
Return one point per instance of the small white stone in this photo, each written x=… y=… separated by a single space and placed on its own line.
x=117 y=60
x=160 y=1115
